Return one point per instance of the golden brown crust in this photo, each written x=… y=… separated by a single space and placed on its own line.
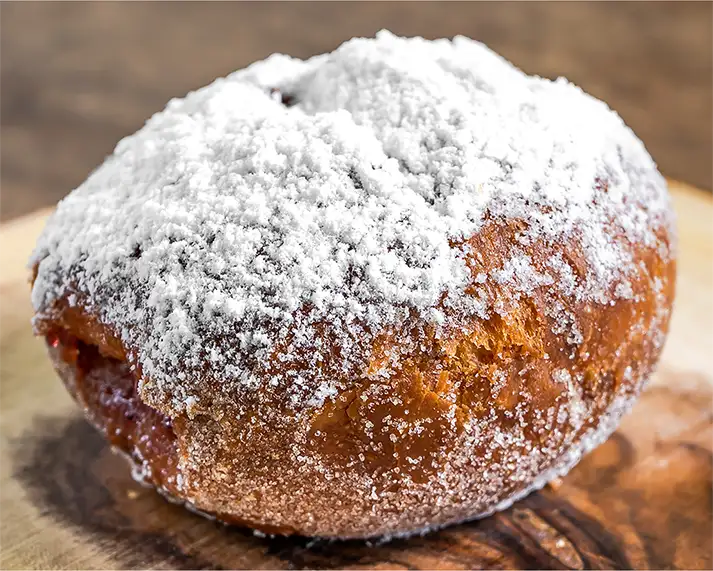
x=464 y=421
x=405 y=294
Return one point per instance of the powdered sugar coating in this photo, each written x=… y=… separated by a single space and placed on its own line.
x=233 y=230
x=378 y=291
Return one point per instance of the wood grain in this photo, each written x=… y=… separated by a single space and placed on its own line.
x=641 y=500
x=76 y=76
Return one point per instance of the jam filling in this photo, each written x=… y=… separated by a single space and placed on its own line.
x=106 y=388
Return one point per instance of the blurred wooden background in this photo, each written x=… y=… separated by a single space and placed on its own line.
x=76 y=77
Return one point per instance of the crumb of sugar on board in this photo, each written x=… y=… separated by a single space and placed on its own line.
x=294 y=198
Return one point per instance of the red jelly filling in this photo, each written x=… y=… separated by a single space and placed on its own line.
x=106 y=388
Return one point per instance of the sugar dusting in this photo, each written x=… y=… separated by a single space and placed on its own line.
x=257 y=236
x=231 y=223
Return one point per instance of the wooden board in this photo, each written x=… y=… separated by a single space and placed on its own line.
x=643 y=499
